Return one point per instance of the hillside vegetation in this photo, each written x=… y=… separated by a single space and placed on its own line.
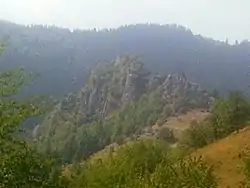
x=226 y=156
x=143 y=164
x=223 y=163
x=120 y=101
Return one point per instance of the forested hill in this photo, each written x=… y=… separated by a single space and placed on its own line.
x=62 y=57
x=120 y=101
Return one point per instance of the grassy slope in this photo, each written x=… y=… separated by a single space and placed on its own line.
x=225 y=156
x=181 y=123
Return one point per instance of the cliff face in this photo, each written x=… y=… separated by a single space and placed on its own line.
x=125 y=88
x=110 y=87
x=124 y=80
x=181 y=94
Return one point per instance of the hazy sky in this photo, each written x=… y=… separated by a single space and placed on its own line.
x=219 y=19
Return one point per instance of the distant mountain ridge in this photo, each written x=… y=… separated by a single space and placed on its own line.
x=62 y=58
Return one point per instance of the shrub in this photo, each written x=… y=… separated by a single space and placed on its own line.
x=198 y=135
x=228 y=114
x=166 y=134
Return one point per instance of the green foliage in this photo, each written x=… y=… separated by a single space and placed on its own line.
x=21 y=166
x=85 y=140
x=228 y=114
x=135 y=116
x=188 y=173
x=231 y=113
x=198 y=135
x=13 y=113
x=11 y=81
x=166 y=134
x=143 y=164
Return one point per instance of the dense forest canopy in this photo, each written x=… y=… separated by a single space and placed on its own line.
x=62 y=57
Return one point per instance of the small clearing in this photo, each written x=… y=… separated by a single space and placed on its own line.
x=181 y=123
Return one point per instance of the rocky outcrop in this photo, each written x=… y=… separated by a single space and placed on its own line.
x=112 y=86
x=118 y=102
x=179 y=93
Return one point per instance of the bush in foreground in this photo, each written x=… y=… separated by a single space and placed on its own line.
x=144 y=164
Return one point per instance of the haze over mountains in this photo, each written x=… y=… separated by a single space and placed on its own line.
x=62 y=58
x=141 y=101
